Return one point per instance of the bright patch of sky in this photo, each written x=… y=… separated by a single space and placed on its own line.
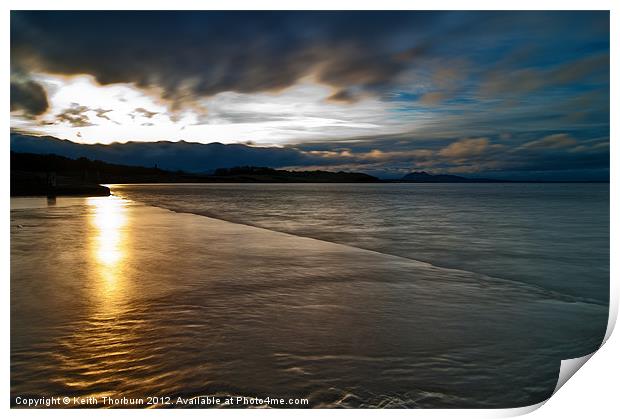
x=122 y=112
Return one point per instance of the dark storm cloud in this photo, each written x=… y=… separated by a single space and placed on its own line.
x=28 y=96
x=486 y=91
x=204 y=53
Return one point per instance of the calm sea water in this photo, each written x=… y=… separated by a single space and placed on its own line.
x=555 y=236
x=395 y=295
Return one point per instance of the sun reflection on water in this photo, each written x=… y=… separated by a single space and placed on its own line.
x=108 y=220
x=98 y=349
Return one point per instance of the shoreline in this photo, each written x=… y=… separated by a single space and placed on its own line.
x=549 y=292
x=481 y=277
x=202 y=282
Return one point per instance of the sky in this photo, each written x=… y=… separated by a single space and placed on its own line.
x=501 y=94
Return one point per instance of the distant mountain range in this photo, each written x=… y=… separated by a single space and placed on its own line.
x=196 y=160
x=189 y=157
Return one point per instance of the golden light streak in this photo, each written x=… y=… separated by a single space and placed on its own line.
x=108 y=219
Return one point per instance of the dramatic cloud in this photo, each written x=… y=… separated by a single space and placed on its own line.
x=190 y=54
x=28 y=96
x=384 y=92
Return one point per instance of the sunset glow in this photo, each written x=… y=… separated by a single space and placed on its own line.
x=520 y=95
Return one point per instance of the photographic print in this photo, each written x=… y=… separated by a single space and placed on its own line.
x=306 y=209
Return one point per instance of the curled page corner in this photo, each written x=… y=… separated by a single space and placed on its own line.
x=519 y=411
x=568 y=368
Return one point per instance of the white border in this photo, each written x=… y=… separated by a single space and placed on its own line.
x=592 y=393
x=312 y=5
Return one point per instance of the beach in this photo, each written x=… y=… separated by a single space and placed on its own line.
x=111 y=297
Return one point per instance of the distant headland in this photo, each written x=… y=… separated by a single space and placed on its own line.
x=51 y=174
